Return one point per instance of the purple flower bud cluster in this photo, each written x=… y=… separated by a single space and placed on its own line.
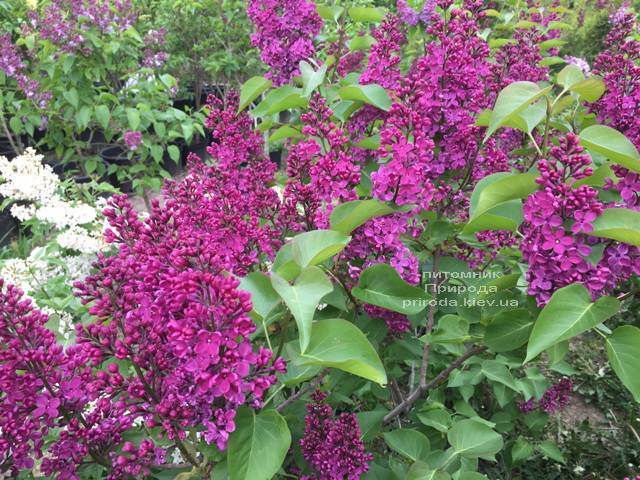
x=557 y=257
x=32 y=367
x=619 y=66
x=383 y=66
x=332 y=445
x=321 y=169
x=520 y=60
x=554 y=399
x=284 y=34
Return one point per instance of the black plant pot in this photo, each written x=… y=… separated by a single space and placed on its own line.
x=38 y=135
x=94 y=136
x=276 y=157
x=6 y=150
x=70 y=171
x=116 y=155
x=8 y=228
x=184 y=104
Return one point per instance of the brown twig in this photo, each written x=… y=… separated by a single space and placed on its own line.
x=441 y=377
x=311 y=385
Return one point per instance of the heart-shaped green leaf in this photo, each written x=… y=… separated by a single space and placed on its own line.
x=340 y=344
x=569 y=312
x=302 y=298
x=381 y=285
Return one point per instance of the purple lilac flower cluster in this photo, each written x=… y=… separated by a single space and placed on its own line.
x=13 y=66
x=285 y=31
x=332 y=445
x=65 y=22
x=154 y=56
x=556 y=257
x=132 y=139
x=37 y=379
x=412 y=17
x=555 y=399
x=169 y=346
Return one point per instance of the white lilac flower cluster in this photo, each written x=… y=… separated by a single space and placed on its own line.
x=36 y=190
x=75 y=229
x=30 y=273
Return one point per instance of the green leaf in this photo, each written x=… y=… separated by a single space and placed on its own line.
x=471 y=438
x=612 y=144
x=422 y=471
x=371 y=94
x=471 y=476
x=263 y=296
x=369 y=143
x=133 y=117
x=187 y=130
x=83 y=117
x=16 y=125
x=498 y=372
x=495 y=201
x=381 y=285
x=316 y=246
x=340 y=344
x=552 y=43
x=589 y=89
x=156 y=153
x=620 y=224
x=346 y=217
x=302 y=298
x=370 y=422
x=408 y=443
x=437 y=418
x=311 y=79
x=366 y=14
x=529 y=118
x=361 y=42
x=330 y=13
x=550 y=449
x=514 y=98
x=501 y=42
x=548 y=61
x=500 y=188
x=174 y=153
x=258 y=445
x=509 y=330
x=252 y=89
x=297 y=374
x=285 y=131
x=71 y=96
x=568 y=313
x=284 y=264
x=623 y=350
x=451 y=329
x=569 y=76
x=283 y=98
x=103 y=116
x=521 y=450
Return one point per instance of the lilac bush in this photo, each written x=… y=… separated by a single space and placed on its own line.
x=397 y=301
